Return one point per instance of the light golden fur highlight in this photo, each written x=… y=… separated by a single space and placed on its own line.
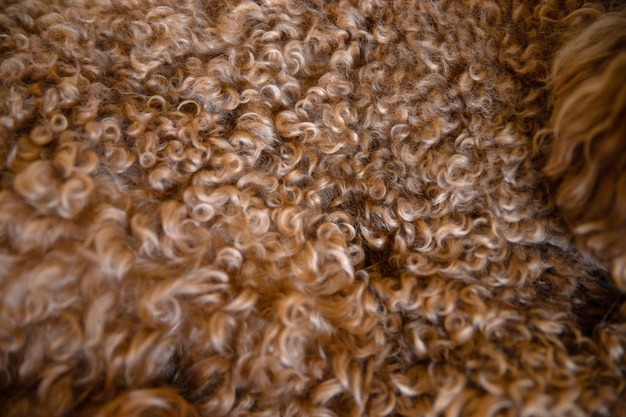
x=292 y=208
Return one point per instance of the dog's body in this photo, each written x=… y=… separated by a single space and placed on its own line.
x=259 y=208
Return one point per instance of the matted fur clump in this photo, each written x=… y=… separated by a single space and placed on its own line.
x=292 y=208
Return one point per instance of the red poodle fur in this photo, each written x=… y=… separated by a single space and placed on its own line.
x=588 y=157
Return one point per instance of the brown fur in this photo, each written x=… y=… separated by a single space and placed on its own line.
x=293 y=208
x=589 y=152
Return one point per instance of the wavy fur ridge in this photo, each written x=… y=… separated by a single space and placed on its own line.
x=304 y=208
x=589 y=128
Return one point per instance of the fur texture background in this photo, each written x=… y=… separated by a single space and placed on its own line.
x=295 y=208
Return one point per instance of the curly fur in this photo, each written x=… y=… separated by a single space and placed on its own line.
x=588 y=158
x=295 y=208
